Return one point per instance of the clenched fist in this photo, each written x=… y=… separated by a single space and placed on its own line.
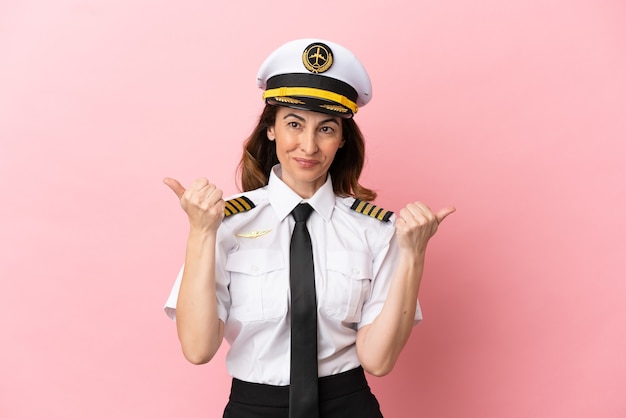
x=416 y=224
x=202 y=202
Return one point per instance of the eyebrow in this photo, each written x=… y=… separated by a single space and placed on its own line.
x=304 y=120
x=295 y=116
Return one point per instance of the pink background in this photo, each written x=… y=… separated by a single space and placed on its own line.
x=514 y=111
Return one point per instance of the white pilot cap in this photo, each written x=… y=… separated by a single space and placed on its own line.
x=316 y=75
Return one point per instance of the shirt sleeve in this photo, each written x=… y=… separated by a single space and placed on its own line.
x=384 y=266
x=222 y=281
x=170 y=304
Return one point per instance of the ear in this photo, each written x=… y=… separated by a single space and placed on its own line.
x=270 y=133
x=343 y=142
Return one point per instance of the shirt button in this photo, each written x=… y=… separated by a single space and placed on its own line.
x=255 y=268
x=355 y=270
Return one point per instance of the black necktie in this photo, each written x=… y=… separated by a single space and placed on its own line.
x=303 y=401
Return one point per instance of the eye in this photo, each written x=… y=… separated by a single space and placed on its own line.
x=293 y=124
x=327 y=129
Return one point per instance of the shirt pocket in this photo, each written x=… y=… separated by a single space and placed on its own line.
x=257 y=288
x=349 y=276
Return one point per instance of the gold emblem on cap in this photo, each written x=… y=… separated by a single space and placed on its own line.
x=335 y=108
x=288 y=100
x=317 y=58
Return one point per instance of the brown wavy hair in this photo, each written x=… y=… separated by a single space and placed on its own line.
x=259 y=156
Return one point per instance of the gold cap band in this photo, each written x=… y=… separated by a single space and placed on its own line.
x=311 y=92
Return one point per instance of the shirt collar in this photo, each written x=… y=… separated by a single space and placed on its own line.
x=283 y=199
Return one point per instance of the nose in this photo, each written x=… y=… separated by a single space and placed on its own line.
x=308 y=142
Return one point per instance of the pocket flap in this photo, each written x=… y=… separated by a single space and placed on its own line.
x=352 y=264
x=254 y=262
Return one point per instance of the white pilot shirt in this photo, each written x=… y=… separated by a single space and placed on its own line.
x=354 y=257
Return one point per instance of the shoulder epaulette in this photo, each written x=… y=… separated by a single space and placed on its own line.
x=374 y=211
x=237 y=205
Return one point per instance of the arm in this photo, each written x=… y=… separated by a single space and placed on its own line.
x=200 y=331
x=379 y=344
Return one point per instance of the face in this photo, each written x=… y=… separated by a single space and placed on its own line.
x=306 y=144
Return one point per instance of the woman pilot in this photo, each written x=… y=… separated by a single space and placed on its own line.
x=309 y=282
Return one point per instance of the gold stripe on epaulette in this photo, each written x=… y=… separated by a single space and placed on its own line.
x=372 y=210
x=237 y=205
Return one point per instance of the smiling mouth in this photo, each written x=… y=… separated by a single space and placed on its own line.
x=303 y=162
